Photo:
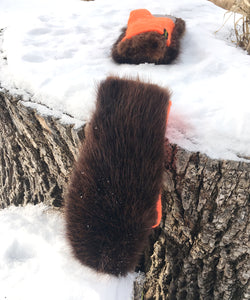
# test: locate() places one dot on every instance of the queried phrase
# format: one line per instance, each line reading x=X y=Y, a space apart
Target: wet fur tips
x=148 y=47
x=111 y=201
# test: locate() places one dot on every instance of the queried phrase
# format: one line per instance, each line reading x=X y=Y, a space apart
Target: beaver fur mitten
x=113 y=194
x=149 y=39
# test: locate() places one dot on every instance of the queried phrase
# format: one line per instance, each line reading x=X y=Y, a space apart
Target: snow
x=36 y=262
x=58 y=51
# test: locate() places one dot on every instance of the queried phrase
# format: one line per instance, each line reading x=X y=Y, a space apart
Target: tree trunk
x=37 y=153
x=201 y=249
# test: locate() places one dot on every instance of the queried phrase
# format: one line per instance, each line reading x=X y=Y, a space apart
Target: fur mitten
x=148 y=38
x=112 y=199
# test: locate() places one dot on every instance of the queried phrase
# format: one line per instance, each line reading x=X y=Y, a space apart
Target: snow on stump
x=201 y=249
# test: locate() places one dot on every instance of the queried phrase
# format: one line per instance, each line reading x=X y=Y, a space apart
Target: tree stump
x=37 y=153
x=201 y=249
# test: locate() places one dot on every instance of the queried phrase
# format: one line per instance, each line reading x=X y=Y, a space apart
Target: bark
x=238 y=6
x=37 y=153
x=201 y=249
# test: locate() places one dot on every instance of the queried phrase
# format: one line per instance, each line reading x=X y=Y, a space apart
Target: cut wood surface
x=201 y=249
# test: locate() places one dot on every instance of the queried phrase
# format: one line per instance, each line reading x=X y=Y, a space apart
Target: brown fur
x=148 y=47
x=111 y=200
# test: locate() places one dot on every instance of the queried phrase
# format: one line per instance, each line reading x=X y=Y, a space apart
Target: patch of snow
x=36 y=262
x=46 y=111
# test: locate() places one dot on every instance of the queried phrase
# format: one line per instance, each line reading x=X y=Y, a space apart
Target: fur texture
x=111 y=200
x=148 y=47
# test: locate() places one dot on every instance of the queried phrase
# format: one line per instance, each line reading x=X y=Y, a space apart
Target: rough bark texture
x=36 y=154
x=201 y=250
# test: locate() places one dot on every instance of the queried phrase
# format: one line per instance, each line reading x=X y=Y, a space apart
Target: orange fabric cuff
x=169 y=107
x=141 y=20
x=159 y=212
x=159 y=204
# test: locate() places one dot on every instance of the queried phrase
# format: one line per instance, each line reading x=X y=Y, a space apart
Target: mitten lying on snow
x=148 y=38
x=113 y=200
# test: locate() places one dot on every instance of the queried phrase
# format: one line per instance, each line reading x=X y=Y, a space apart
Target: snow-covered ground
x=58 y=51
x=36 y=262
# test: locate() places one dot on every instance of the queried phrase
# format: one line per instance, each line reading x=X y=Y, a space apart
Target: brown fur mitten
x=115 y=184
x=160 y=45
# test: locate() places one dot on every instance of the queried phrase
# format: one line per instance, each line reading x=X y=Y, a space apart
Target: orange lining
x=141 y=20
x=159 y=204
x=169 y=107
x=159 y=212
